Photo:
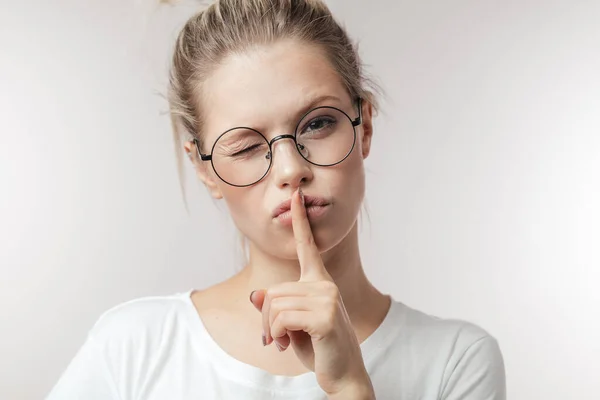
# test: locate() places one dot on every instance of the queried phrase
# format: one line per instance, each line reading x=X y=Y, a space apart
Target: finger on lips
x=285 y=307
x=311 y=264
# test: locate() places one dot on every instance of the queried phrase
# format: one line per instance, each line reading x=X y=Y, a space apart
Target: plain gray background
x=483 y=184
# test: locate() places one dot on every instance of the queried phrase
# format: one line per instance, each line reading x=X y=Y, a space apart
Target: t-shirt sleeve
x=86 y=377
x=479 y=373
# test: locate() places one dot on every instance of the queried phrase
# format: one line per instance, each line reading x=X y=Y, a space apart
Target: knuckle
x=277 y=318
x=275 y=301
x=268 y=295
x=330 y=289
x=279 y=324
x=330 y=304
x=276 y=305
x=271 y=294
x=283 y=317
x=275 y=330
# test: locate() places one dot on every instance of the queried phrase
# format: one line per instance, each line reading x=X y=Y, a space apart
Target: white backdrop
x=483 y=183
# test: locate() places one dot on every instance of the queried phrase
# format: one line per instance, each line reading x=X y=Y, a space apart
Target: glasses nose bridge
x=281 y=137
x=291 y=168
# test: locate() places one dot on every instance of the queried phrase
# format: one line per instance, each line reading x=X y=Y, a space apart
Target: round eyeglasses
x=324 y=136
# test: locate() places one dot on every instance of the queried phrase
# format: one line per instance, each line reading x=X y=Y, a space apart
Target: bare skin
x=226 y=311
x=267 y=89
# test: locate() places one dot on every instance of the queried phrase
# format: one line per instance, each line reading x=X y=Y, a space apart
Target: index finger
x=311 y=264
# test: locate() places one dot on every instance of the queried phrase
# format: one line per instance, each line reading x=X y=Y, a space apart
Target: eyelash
x=326 y=119
x=246 y=150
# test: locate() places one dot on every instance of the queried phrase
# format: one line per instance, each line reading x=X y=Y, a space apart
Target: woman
x=272 y=99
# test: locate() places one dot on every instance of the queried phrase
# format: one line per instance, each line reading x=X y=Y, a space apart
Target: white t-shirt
x=157 y=348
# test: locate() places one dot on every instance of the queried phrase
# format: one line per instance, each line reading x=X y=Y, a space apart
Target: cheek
x=354 y=182
x=346 y=184
x=350 y=176
x=242 y=204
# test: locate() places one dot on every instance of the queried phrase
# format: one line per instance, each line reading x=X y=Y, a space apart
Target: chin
x=327 y=237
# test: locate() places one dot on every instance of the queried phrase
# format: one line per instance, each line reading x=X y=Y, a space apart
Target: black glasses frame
x=355 y=122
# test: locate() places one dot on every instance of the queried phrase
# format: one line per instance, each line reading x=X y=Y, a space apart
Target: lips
x=309 y=201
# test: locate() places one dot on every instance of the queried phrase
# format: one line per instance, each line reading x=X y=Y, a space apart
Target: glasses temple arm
x=358 y=119
x=203 y=157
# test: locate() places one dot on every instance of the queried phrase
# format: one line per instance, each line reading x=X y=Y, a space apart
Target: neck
x=365 y=305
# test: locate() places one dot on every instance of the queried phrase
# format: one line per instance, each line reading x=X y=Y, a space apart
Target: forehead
x=267 y=87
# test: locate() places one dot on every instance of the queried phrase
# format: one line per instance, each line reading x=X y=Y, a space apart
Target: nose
x=289 y=169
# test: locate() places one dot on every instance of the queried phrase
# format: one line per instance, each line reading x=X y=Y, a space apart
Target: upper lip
x=308 y=201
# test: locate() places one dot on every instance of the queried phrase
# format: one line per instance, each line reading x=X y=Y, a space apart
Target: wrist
x=362 y=390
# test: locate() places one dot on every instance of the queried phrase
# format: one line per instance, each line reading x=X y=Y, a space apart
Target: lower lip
x=313 y=212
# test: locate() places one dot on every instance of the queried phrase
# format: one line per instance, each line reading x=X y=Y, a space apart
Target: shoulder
x=445 y=341
x=468 y=356
x=138 y=319
x=433 y=329
x=126 y=346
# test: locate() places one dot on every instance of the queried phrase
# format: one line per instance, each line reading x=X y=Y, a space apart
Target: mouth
x=315 y=208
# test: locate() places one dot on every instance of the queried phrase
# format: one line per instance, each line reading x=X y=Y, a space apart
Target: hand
x=311 y=315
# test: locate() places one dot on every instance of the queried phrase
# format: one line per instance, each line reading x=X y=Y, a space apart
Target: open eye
x=318 y=125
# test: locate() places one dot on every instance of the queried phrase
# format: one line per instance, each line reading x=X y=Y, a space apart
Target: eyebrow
x=294 y=116
x=314 y=101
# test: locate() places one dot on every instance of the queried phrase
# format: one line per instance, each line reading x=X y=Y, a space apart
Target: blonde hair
x=235 y=26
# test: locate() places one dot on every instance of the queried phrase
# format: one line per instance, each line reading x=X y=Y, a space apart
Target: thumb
x=257 y=298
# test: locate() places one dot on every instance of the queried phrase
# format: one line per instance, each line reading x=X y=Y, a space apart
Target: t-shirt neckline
x=250 y=375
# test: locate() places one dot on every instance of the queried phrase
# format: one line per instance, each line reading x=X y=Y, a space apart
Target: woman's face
x=269 y=89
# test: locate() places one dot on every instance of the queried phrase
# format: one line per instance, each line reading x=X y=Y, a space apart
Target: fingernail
x=264 y=339
x=301 y=195
x=251 y=293
x=279 y=347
